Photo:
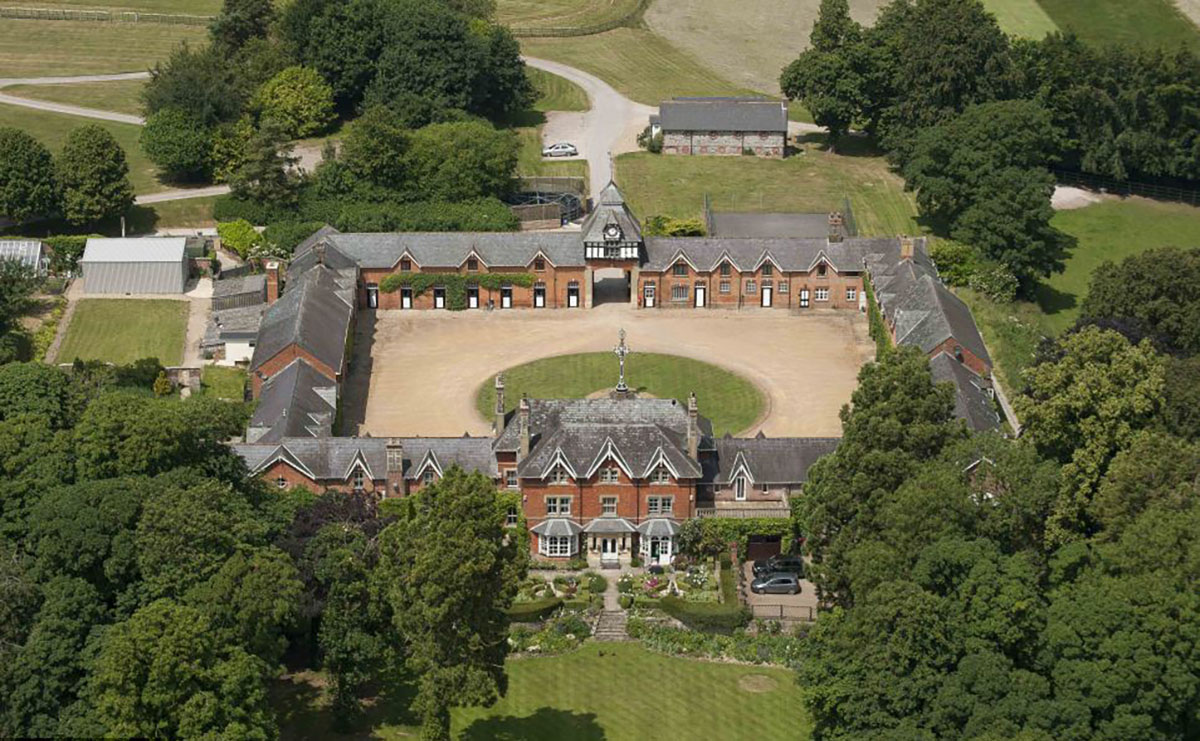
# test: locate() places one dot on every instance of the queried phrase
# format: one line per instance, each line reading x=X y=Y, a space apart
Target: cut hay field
x=561 y=13
x=813 y=181
x=122 y=96
x=1146 y=22
x=57 y=48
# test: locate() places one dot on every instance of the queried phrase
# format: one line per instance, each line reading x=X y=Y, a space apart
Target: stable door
x=701 y=296
x=573 y=296
x=804 y=299
x=372 y=296
x=766 y=296
x=439 y=298
x=539 y=297
x=648 y=295
x=472 y=297
x=506 y=297
x=405 y=298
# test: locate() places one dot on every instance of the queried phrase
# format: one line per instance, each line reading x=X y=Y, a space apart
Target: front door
x=506 y=297
x=766 y=296
x=655 y=550
x=405 y=298
x=572 y=295
x=608 y=549
x=804 y=299
x=472 y=297
x=648 y=295
x=372 y=296
x=700 y=297
x=539 y=297
x=439 y=298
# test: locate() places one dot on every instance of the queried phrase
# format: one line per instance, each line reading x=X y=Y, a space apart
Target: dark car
x=791 y=564
x=777 y=583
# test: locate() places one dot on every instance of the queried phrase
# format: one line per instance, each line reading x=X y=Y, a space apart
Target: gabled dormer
x=611 y=232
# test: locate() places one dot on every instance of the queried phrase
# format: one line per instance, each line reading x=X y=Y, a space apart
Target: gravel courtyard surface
x=416 y=372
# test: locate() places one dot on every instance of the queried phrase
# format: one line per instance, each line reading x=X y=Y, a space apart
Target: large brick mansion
x=609 y=477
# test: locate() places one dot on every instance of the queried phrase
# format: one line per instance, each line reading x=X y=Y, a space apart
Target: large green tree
x=94 y=176
x=462 y=161
x=451 y=571
x=202 y=83
x=1158 y=289
x=27 y=185
x=267 y=173
x=298 y=99
x=179 y=144
x=239 y=21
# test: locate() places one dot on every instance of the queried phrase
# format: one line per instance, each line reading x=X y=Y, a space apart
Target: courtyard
x=418 y=372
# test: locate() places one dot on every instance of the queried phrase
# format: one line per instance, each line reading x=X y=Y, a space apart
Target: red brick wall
x=296 y=478
x=738 y=295
x=556 y=281
x=970 y=359
x=281 y=360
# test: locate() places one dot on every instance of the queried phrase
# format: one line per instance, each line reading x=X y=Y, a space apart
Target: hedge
x=878 y=329
x=455 y=285
x=285 y=235
x=711 y=536
x=480 y=215
x=535 y=611
x=715 y=617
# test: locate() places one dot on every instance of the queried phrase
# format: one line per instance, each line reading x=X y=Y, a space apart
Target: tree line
x=1041 y=588
x=150 y=587
x=972 y=118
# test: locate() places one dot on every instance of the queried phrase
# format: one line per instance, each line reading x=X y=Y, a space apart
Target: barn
x=149 y=265
x=722 y=126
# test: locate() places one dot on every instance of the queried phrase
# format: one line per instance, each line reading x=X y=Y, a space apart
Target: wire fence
x=107 y=16
x=1126 y=187
x=805 y=613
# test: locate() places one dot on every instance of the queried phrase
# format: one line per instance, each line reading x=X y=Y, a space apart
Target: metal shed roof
x=143 y=249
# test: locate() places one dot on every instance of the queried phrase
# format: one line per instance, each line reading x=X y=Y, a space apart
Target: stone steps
x=611 y=626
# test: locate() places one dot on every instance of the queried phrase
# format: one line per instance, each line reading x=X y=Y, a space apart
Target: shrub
x=956 y=262
x=298 y=99
x=712 y=535
x=239 y=236
x=285 y=235
x=578 y=563
x=996 y=282
x=535 y=611
x=782 y=650
x=625 y=601
x=650 y=143
x=597 y=583
x=229 y=142
x=179 y=145
x=665 y=226
x=706 y=616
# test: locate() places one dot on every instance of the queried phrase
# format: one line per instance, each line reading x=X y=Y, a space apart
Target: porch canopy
x=609 y=526
x=659 y=528
x=556 y=527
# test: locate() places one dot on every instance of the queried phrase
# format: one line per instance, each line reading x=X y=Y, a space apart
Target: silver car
x=777 y=583
x=561 y=149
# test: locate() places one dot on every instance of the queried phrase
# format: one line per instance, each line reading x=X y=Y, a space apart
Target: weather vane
x=622 y=350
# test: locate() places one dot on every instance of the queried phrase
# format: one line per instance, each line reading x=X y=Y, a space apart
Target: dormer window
x=660 y=475
x=821 y=270
x=739 y=489
x=768 y=270
x=610 y=475
x=427 y=478
x=359 y=480
x=472 y=264
x=725 y=269
x=539 y=264
x=558 y=475
x=405 y=265
x=281 y=483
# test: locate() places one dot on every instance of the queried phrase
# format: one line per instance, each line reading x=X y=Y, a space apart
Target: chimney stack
x=906 y=247
x=272 y=282
x=319 y=248
x=693 y=428
x=395 y=465
x=523 y=426
x=836 y=224
x=498 y=425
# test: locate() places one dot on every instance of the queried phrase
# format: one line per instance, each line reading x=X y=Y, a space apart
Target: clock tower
x=612 y=236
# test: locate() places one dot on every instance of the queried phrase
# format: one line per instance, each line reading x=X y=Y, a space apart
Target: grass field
x=603 y=691
x=122 y=96
x=56 y=48
x=1146 y=22
x=52 y=130
x=638 y=63
x=223 y=382
x=730 y=401
x=1111 y=230
x=123 y=330
x=814 y=181
x=1024 y=18
x=561 y=13
x=175 y=7
x=556 y=93
x=187 y=213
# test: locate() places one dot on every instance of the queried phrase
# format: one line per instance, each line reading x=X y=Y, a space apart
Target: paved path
x=71 y=110
x=180 y=194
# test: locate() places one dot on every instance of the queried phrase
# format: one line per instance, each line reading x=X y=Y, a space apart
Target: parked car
x=777 y=583
x=561 y=149
x=791 y=564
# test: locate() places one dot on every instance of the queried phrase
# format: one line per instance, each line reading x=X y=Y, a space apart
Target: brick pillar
x=272 y=282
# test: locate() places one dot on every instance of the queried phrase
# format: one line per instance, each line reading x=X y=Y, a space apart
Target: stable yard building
x=148 y=265
x=722 y=126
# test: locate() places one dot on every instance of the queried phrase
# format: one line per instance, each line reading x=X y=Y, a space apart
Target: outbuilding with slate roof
x=723 y=126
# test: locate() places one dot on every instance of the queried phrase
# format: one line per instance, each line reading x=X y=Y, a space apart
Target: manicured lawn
x=556 y=93
x=186 y=213
x=561 y=13
x=603 y=691
x=31 y=48
x=638 y=63
x=1156 y=23
x=814 y=181
x=176 y=7
x=223 y=382
x=121 y=96
x=1023 y=18
x=1111 y=230
x=124 y=330
x=531 y=162
x=730 y=401
x=52 y=129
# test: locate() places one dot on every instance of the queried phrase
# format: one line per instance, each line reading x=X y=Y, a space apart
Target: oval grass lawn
x=729 y=400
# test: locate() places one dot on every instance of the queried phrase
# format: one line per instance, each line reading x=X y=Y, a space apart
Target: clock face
x=612 y=231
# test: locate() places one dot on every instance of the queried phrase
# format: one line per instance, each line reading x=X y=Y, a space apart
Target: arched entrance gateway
x=613 y=249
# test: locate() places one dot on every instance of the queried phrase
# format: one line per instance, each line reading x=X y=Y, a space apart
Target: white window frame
x=510 y=479
x=783 y=287
x=557 y=546
x=660 y=505
x=358 y=479
x=679 y=292
x=512 y=517
x=660 y=476
x=610 y=475
x=751 y=288
x=739 y=489
x=281 y=482
x=558 y=506
x=820 y=294
x=679 y=270
x=725 y=287
x=427 y=477
x=608 y=505
x=851 y=293
x=559 y=476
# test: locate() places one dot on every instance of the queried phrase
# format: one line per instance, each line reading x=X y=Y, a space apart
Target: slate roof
x=707 y=253
x=772 y=225
x=134 y=249
x=314 y=313
x=322 y=459
x=724 y=114
x=255 y=283
x=610 y=208
x=556 y=527
x=609 y=526
x=241 y=323
x=767 y=460
x=307 y=256
x=928 y=314
x=582 y=433
x=973 y=401
x=30 y=252
x=451 y=249
x=658 y=528
x=469 y=453
x=295 y=402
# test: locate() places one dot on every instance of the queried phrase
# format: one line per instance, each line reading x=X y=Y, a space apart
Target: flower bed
x=779 y=649
x=563 y=632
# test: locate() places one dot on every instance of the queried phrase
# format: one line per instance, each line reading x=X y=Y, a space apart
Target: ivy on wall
x=878 y=329
x=455 y=285
x=711 y=536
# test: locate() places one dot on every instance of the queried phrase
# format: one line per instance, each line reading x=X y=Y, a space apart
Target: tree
x=453 y=621
x=93 y=175
x=1155 y=469
x=178 y=144
x=239 y=236
x=1181 y=411
x=267 y=173
x=1156 y=289
x=464 y=160
x=502 y=88
x=829 y=87
x=17 y=283
x=202 y=83
x=27 y=185
x=1082 y=406
x=834 y=28
x=298 y=100
x=342 y=41
x=240 y=21
x=162 y=673
x=374 y=157
x=229 y=144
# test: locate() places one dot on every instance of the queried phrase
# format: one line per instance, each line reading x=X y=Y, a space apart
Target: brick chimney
x=693 y=428
x=523 y=426
x=272 y=282
x=836 y=223
x=498 y=425
x=319 y=248
x=395 y=467
x=906 y=247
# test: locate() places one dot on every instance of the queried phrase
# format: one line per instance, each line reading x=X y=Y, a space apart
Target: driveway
x=417 y=372
x=801 y=606
x=71 y=110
